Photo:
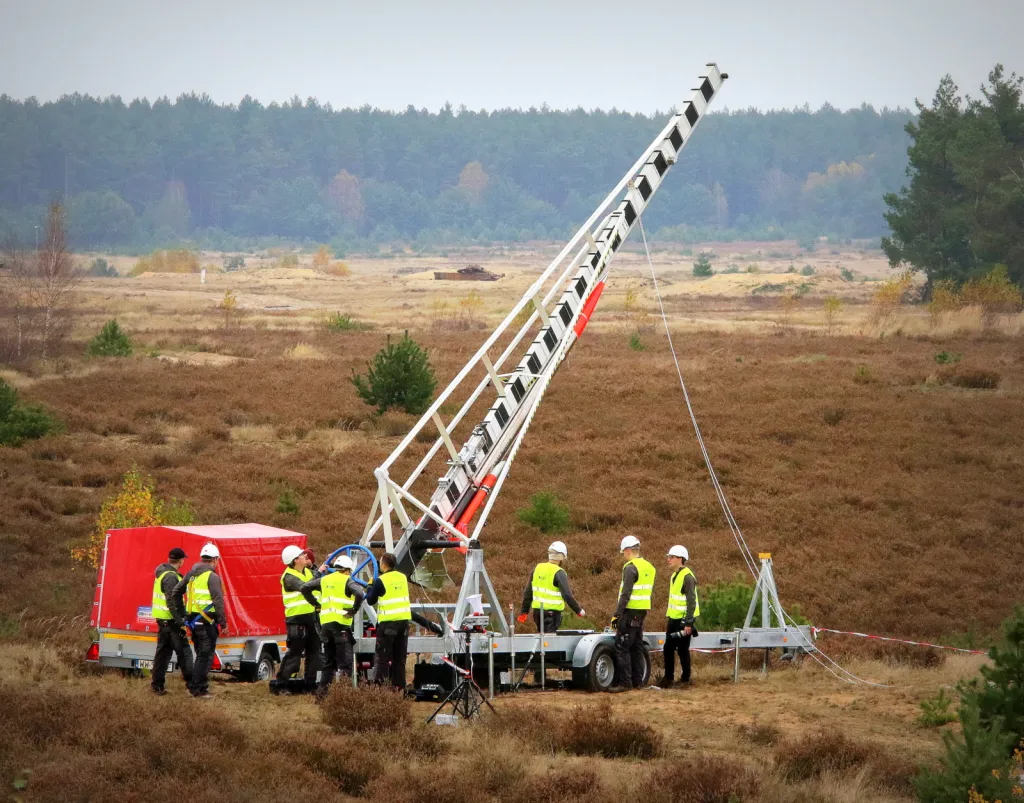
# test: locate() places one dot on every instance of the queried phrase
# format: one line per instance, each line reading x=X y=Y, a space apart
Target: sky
x=631 y=55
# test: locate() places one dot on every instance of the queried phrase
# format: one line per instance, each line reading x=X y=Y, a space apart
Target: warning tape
x=816 y=630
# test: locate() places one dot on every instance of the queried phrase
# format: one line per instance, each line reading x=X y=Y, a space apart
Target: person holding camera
x=683 y=606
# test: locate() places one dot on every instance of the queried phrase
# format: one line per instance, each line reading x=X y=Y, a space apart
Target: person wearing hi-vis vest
x=548 y=590
x=171 y=638
x=300 y=619
x=204 y=613
x=390 y=593
x=683 y=606
x=630 y=612
x=340 y=598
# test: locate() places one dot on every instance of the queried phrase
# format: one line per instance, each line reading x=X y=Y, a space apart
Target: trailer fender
x=585 y=648
x=254 y=648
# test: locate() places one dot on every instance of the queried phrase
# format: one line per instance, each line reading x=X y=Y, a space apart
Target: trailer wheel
x=601 y=669
x=259 y=671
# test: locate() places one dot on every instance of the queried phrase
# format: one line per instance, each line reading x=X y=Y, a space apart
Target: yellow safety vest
x=676 y=597
x=640 y=597
x=394 y=606
x=294 y=603
x=160 y=609
x=199 y=598
x=544 y=589
x=334 y=601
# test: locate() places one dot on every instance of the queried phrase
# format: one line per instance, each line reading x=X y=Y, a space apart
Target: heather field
x=886 y=488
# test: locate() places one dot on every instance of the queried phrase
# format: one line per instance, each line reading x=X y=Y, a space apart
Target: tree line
x=144 y=174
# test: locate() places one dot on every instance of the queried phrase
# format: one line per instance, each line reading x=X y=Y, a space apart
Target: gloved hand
x=436 y=629
x=182 y=629
x=615 y=621
x=316 y=610
x=521 y=618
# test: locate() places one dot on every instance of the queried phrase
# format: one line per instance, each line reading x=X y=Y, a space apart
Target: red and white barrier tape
x=816 y=630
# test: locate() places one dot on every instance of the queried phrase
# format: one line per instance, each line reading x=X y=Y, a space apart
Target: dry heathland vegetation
x=884 y=475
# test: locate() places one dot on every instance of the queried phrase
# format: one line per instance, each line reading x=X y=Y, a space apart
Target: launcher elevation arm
x=561 y=301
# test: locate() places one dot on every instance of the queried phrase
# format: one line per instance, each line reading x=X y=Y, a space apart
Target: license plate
x=138 y=663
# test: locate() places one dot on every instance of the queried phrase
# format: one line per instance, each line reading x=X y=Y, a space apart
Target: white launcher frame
x=563 y=297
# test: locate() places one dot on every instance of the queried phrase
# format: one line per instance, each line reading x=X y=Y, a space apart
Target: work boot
x=617 y=689
x=159 y=690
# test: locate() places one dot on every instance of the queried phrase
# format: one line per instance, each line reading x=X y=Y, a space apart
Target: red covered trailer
x=250 y=569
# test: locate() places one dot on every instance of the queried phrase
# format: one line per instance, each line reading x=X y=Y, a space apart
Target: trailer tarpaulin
x=250 y=569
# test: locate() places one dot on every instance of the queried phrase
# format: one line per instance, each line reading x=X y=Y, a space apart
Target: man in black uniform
x=340 y=598
x=205 y=611
x=171 y=638
x=634 y=602
x=302 y=625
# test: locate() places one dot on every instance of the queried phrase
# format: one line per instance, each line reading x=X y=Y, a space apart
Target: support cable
x=828 y=663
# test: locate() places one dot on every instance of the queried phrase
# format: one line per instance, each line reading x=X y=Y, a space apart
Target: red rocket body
x=482 y=492
x=588 y=309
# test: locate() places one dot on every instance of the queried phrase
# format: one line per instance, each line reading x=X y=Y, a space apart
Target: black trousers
x=302 y=640
x=629 y=652
x=680 y=645
x=170 y=641
x=204 y=636
x=338 y=641
x=391 y=653
x=552 y=620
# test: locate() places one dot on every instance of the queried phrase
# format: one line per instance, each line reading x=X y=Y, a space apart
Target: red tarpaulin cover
x=250 y=568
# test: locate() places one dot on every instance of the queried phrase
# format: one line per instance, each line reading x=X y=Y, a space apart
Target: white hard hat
x=290 y=553
x=629 y=542
x=559 y=547
x=679 y=551
x=209 y=551
x=343 y=562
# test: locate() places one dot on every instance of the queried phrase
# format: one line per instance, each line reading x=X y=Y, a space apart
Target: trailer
x=500 y=388
x=250 y=568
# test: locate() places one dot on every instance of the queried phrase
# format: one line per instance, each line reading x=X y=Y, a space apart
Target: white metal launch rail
x=517 y=362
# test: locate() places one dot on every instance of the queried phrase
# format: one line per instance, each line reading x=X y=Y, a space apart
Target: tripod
x=467 y=698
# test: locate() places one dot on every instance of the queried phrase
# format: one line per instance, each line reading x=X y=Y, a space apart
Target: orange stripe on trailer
x=588 y=309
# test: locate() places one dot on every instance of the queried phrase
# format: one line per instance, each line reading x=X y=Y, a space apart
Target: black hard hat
x=176 y=554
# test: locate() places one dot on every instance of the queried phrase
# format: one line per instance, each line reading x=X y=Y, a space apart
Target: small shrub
x=833 y=416
x=947 y=358
x=936 y=711
x=545 y=513
x=134 y=505
x=101 y=269
x=807 y=270
x=21 y=422
x=702 y=267
x=368 y=708
x=636 y=343
x=847 y=274
x=287 y=503
x=398 y=376
x=701 y=778
x=179 y=260
x=818 y=753
x=862 y=375
x=764 y=735
x=888 y=299
x=322 y=258
x=235 y=262
x=832 y=306
x=110 y=342
x=594 y=731
x=338 y=268
x=228 y=307
x=754 y=268
x=973 y=379
x=339 y=322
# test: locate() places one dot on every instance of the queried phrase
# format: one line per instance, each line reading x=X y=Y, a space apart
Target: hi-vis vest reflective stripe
x=544 y=589
x=294 y=603
x=676 y=597
x=394 y=606
x=334 y=601
x=160 y=609
x=640 y=597
x=199 y=598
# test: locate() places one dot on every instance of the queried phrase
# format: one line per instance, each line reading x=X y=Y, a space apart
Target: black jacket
x=629 y=577
x=176 y=600
x=561 y=582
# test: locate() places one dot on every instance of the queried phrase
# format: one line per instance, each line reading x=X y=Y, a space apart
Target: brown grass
x=819 y=753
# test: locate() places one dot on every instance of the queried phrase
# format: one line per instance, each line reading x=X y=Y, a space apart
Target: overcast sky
x=633 y=54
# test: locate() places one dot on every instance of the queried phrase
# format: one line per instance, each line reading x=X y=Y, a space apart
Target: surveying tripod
x=467 y=698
